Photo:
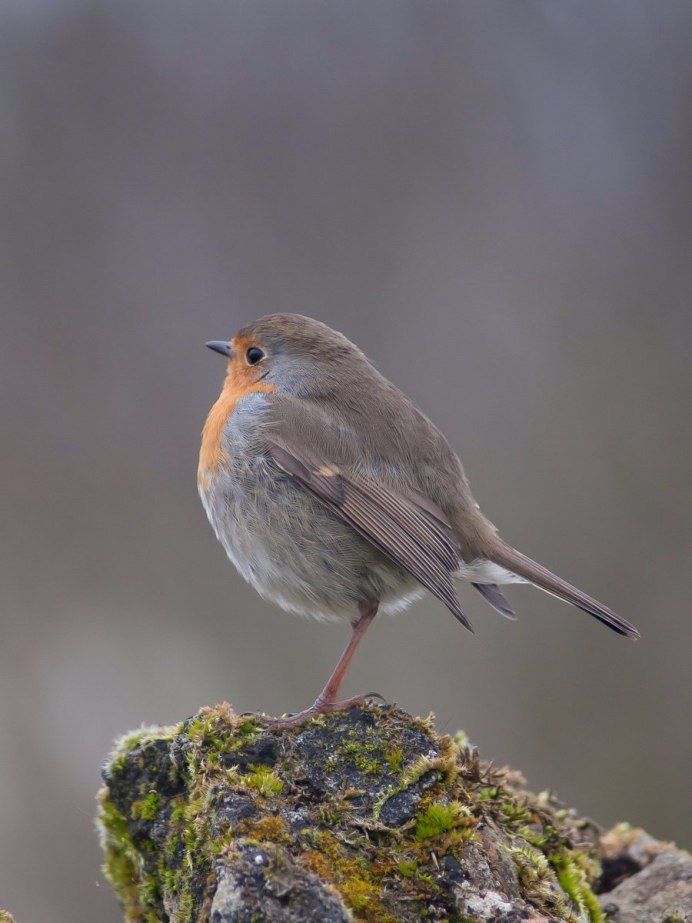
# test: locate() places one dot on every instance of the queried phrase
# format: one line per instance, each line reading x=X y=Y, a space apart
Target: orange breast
x=211 y=456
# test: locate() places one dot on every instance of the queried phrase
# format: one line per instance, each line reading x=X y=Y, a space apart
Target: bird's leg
x=326 y=700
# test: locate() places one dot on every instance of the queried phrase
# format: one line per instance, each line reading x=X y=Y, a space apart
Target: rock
x=264 y=883
x=363 y=815
x=643 y=879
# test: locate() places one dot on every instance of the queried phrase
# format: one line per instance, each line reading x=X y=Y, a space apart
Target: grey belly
x=297 y=553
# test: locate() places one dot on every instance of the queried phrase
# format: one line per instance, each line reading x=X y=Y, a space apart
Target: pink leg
x=326 y=700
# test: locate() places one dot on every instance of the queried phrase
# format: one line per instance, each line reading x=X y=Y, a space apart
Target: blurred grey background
x=494 y=201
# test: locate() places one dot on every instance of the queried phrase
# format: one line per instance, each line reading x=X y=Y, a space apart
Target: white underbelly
x=307 y=577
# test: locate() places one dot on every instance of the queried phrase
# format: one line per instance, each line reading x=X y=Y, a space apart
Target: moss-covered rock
x=364 y=815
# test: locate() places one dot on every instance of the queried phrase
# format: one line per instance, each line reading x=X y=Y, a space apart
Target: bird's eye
x=253 y=355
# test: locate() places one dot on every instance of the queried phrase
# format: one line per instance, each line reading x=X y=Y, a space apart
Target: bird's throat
x=211 y=455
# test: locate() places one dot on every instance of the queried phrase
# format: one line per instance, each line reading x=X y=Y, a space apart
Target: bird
x=335 y=497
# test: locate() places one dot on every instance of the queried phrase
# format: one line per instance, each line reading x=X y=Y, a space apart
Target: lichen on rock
x=362 y=815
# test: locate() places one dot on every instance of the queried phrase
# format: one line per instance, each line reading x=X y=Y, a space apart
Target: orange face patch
x=241 y=379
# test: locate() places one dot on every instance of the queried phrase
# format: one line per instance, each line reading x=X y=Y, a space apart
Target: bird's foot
x=319 y=707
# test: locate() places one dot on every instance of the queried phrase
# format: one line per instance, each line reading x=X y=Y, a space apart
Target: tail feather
x=492 y=594
x=541 y=577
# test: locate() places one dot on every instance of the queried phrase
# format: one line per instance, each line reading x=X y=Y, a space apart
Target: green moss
x=440 y=818
x=330 y=814
x=537 y=879
x=143 y=871
x=177 y=814
x=363 y=896
x=248 y=726
x=271 y=828
x=573 y=881
x=122 y=863
x=515 y=814
x=407 y=868
x=532 y=864
x=146 y=808
x=264 y=780
x=360 y=883
x=365 y=755
x=395 y=759
x=124 y=745
x=437 y=819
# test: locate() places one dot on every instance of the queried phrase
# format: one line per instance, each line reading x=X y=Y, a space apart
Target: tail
x=491 y=593
x=516 y=562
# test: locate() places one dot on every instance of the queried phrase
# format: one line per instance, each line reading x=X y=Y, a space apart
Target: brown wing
x=414 y=534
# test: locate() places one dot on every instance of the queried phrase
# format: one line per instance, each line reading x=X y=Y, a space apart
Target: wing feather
x=410 y=530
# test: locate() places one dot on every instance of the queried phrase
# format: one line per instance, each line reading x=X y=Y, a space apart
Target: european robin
x=335 y=497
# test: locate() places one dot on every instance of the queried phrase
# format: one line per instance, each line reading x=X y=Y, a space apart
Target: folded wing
x=410 y=530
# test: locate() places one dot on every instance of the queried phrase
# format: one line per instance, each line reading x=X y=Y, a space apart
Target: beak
x=220 y=346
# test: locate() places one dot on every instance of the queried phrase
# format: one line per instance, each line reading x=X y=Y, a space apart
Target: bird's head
x=292 y=354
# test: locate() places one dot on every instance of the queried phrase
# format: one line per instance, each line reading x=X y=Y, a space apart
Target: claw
x=318 y=708
x=376 y=695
